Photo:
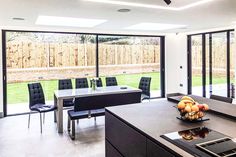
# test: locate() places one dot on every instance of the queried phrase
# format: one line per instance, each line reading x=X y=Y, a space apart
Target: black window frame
x=189 y=60
x=4 y=62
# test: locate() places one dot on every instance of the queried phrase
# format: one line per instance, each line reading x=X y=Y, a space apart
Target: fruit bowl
x=191 y=110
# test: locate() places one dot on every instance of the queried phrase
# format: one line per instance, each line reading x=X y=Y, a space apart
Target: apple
x=200 y=106
x=206 y=107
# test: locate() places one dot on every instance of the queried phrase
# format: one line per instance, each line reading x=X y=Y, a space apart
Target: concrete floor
x=16 y=140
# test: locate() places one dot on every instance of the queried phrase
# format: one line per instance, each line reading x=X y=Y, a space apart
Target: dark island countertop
x=216 y=106
x=159 y=117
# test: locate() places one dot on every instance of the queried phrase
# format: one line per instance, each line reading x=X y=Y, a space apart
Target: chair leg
x=43 y=118
x=41 y=123
x=29 y=121
x=68 y=124
x=73 y=130
x=77 y=121
x=95 y=119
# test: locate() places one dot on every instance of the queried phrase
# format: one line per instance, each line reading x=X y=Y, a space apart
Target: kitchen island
x=135 y=130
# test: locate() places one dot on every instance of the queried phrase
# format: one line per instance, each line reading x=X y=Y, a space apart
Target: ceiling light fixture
x=154 y=26
x=124 y=10
x=68 y=21
x=18 y=18
x=167 y=2
x=143 y=5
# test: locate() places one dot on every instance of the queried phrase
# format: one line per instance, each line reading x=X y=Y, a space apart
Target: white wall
x=176 y=56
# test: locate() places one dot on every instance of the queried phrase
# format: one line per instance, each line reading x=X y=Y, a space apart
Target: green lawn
x=197 y=80
x=18 y=92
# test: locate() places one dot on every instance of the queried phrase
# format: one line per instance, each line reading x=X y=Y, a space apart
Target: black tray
x=193 y=121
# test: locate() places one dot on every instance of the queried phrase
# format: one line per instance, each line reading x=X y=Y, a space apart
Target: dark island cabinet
x=111 y=151
x=129 y=142
x=122 y=140
x=155 y=150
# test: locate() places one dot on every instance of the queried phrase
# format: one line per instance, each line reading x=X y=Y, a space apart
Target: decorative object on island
x=193 y=134
x=94 y=83
x=190 y=110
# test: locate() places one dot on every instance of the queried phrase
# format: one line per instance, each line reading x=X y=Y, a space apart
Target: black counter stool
x=144 y=85
x=63 y=85
x=111 y=81
x=81 y=83
x=37 y=102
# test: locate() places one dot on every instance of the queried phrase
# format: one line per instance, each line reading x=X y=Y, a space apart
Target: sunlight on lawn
x=18 y=92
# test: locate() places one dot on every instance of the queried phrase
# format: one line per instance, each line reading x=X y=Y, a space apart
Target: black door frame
x=189 y=49
x=4 y=63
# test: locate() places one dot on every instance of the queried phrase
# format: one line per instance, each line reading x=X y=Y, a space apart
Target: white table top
x=84 y=92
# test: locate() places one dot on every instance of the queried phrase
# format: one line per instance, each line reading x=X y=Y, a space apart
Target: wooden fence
x=219 y=57
x=21 y=55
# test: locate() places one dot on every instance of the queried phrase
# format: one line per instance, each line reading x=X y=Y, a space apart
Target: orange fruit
x=181 y=105
x=195 y=108
x=187 y=109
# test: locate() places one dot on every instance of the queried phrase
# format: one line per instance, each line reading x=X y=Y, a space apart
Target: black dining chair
x=37 y=102
x=111 y=81
x=144 y=85
x=221 y=98
x=63 y=85
x=81 y=83
x=98 y=82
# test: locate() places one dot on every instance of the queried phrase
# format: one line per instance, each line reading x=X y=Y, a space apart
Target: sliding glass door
x=218 y=84
x=197 y=71
x=46 y=57
x=129 y=58
x=212 y=63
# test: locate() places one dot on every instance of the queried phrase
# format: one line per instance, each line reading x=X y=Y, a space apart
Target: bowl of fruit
x=191 y=110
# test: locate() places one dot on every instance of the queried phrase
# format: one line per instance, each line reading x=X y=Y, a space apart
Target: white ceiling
x=214 y=14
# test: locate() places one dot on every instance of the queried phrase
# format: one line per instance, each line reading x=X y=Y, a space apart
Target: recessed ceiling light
x=18 y=18
x=144 y=5
x=154 y=26
x=68 y=21
x=124 y=10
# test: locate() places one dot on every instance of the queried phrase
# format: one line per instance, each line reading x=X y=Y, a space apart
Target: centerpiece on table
x=190 y=110
x=94 y=83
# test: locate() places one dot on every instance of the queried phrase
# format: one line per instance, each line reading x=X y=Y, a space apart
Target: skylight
x=68 y=21
x=154 y=26
x=144 y=5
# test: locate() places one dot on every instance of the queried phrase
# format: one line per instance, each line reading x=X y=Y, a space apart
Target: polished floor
x=16 y=140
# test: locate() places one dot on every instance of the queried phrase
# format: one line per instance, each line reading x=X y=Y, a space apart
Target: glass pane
x=129 y=58
x=232 y=60
x=219 y=64
x=207 y=66
x=197 y=65
x=45 y=58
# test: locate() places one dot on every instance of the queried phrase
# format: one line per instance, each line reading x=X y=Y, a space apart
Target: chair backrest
x=36 y=95
x=144 y=85
x=81 y=83
x=65 y=84
x=221 y=98
x=111 y=81
x=99 y=82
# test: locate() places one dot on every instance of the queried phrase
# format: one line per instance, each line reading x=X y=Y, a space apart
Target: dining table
x=125 y=93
